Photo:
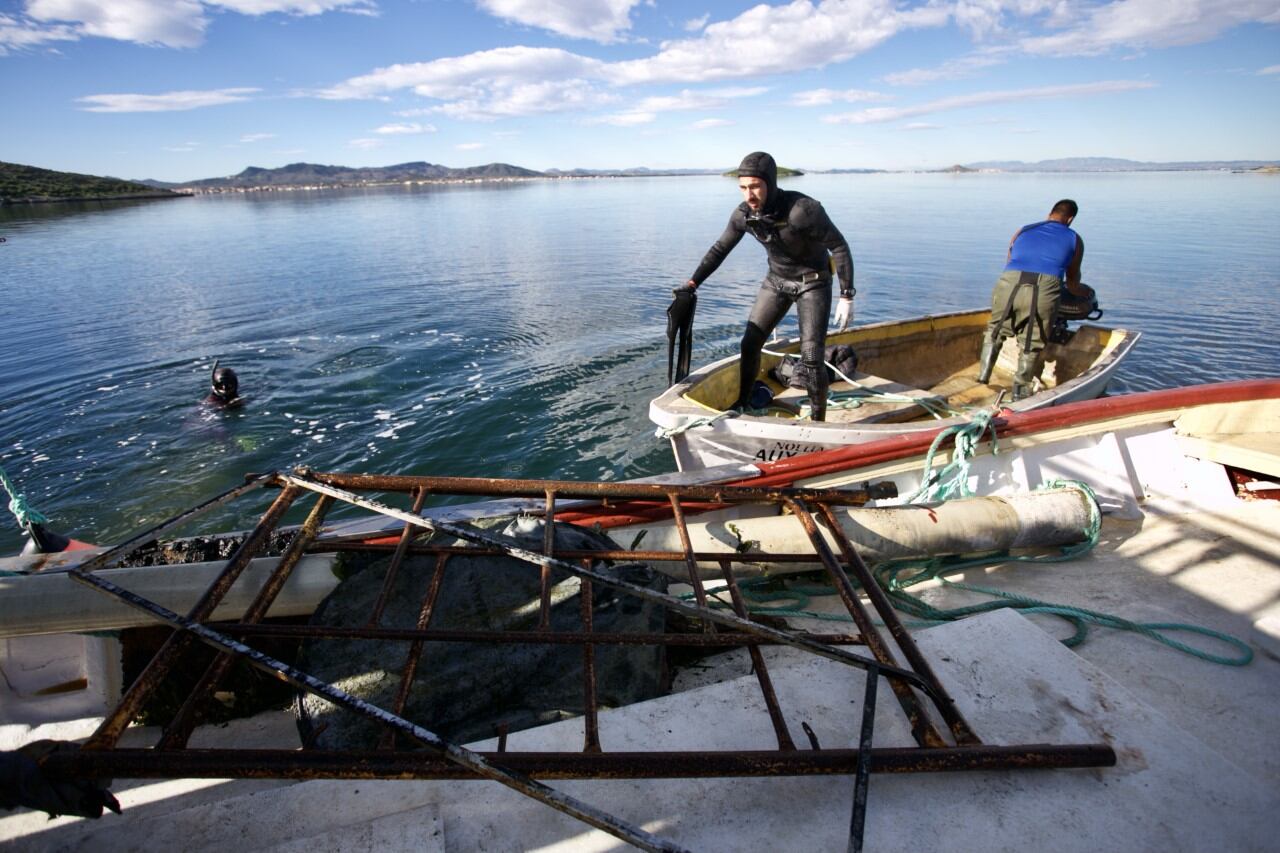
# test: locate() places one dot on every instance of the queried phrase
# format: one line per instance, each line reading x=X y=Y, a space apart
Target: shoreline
x=4 y=202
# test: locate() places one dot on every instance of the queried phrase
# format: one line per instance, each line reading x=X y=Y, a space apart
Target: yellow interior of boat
x=913 y=366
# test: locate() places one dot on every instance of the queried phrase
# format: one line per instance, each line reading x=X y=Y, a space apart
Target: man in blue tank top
x=1042 y=256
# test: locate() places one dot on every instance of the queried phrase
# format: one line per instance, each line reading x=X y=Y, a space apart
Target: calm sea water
x=518 y=330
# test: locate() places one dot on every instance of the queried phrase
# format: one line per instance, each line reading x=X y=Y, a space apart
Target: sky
x=179 y=90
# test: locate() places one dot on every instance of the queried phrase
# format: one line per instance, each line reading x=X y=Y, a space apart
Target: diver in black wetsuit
x=803 y=246
x=225 y=388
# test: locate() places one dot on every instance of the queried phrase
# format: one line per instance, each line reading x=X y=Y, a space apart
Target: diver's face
x=754 y=192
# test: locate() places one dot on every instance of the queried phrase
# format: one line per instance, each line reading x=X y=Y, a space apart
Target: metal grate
x=400 y=753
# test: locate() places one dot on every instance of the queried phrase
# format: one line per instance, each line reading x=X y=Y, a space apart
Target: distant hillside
x=315 y=175
x=1114 y=164
x=783 y=172
x=21 y=184
x=631 y=172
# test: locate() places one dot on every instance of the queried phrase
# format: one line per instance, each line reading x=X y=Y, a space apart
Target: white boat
x=1187 y=484
x=913 y=376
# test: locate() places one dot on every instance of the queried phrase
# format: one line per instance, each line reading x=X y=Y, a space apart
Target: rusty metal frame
x=915 y=685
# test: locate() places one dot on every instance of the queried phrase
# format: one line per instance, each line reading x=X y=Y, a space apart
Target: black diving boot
x=817 y=384
x=1025 y=378
x=987 y=359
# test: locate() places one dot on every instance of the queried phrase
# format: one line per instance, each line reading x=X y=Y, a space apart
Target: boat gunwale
x=674 y=407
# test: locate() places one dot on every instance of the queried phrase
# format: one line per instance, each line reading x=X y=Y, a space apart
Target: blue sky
x=184 y=89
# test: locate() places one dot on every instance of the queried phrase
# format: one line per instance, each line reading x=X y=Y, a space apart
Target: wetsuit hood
x=226 y=385
x=760 y=165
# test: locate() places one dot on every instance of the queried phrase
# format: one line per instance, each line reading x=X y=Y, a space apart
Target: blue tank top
x=1043 y=247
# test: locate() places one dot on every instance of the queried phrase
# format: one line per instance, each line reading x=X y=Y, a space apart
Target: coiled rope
x=897 y=576
x=952 y=480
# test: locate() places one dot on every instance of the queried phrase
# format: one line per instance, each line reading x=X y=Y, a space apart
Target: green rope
x=691 y=423
x=25 y=514
x=952 y=481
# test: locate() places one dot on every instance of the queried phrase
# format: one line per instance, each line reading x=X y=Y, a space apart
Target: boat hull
x=685 y=416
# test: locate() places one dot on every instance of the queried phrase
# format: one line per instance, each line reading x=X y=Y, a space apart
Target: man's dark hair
x=1066 y=207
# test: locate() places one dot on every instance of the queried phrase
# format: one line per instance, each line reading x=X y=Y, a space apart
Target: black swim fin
x=680 y=327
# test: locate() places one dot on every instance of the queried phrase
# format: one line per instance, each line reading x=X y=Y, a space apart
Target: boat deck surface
x=858 y=403
x=1198 y=743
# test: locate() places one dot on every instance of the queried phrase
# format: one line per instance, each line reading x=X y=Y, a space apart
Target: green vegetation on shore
x=29 y=184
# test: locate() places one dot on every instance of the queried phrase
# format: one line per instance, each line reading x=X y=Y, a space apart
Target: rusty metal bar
x=548 y=548
x=326 y=764
x=109 y=731
x=717 y=640
x=402 y=548
x=127 y=547
x=862 y=778
x=185 y=720
x=922 y=728
x=960 y=728
x=699 y=591
x=327 y=546
x=410 y=670
x=573 y=489
x=472 y=761
x=590 y=719
x=670 y=602
x=758 y=665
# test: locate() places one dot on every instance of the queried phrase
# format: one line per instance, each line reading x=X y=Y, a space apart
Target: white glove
x=844 y=312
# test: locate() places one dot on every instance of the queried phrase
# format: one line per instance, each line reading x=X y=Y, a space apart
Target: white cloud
x=165 y=102
x=766 y=40
x=257 y=137
x=709 y=123
x=920 y=125
x=825 y=97
x=19 y=35
x=1151 y=24
x=469 y=146
x=646 y=110
x=470 y=75
x=1270 y=69
x=166 y=23
x=876 y=115
x=507 y=100
x=630 y=118
x=410 y=127
x=183 y=148
x=693 y=25
x=956 y=69
x=778 y=39
x=295 y=7
x=171 y=23
x=365 y=143
x=597 y=20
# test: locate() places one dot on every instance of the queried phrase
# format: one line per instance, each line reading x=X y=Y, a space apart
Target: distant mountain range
x=1114 y=164
x=313 y=174
x=27 y=183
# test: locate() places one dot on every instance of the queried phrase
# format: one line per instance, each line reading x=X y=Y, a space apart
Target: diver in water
x=225 y=391
x=803 y=248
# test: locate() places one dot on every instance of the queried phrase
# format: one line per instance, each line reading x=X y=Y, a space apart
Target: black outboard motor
x=1072 y=308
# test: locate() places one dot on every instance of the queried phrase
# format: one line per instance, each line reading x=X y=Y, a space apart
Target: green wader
x=1022 y=306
